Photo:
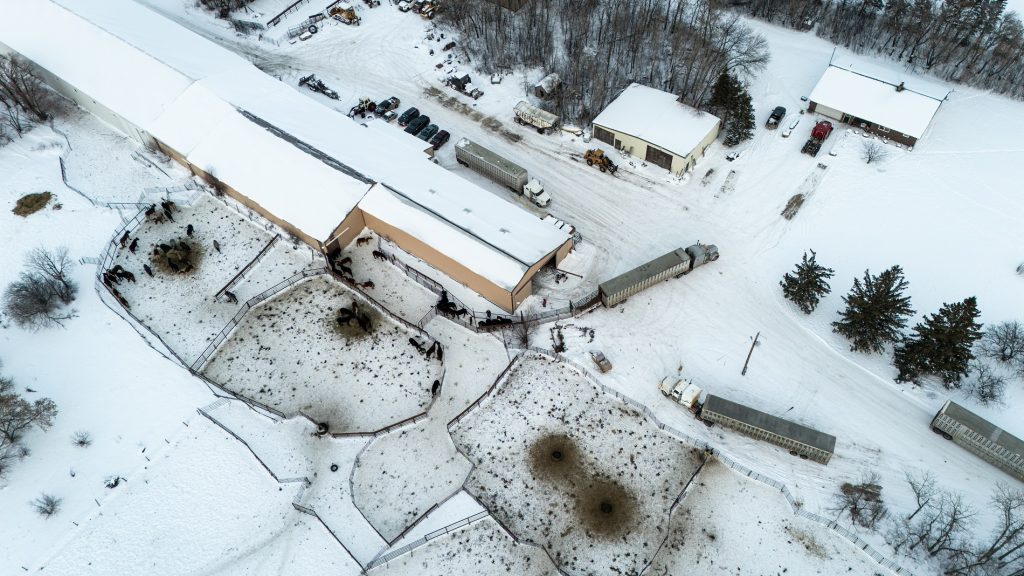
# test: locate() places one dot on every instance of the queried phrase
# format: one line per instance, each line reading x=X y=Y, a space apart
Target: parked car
x=387 y=105
x=419 y=123
x=775 y=118
x=389 y=116
x=439 y=139
x=404 y=6
x=408 y=116
x=428 y=132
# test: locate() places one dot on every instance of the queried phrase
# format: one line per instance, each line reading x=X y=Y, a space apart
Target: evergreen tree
x=721 y=102
x=731 y=102
x=876 y=311
x=741 y=127
x=807 y=284
x=941 y=345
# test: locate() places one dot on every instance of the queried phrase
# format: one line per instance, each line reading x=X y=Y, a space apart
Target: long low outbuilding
x=992 y=443
x=308 y=168
x=801 y=440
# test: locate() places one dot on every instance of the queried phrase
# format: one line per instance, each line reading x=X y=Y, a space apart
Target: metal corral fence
x=795 y=505
x=249 y=304
x=471 y=318
x=304 y=480
x=294 y=7
x=385 y=558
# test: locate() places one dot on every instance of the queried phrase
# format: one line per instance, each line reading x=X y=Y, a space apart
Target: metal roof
x=983 y=427
x=644 y=271
x=758 y=419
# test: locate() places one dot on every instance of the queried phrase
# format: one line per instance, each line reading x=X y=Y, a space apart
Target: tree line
x=598 y=47
x=974 y=42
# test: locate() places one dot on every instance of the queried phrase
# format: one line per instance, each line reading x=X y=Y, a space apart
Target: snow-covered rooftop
x=657 y=117
x=875 y=100
x=304 y=162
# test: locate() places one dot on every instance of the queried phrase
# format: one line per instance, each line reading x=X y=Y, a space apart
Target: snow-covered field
x=289 y=353
x=212 y=509
x=571 y=469
x=949 y=213
x=724 y=513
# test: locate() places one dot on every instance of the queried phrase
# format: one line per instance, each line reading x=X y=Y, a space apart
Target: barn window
x=604 y=135
x=655 y=156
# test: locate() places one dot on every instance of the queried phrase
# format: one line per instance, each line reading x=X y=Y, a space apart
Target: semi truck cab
x=534 y=190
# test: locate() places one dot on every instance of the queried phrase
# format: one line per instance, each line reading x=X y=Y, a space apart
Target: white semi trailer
x=501 y=170
x=528 y=114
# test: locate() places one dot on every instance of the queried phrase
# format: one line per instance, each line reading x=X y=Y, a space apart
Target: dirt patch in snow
x=290 y=354
x=571 y=469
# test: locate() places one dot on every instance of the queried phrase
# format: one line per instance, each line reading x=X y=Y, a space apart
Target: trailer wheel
x=936 y=430
x=803 y=456
x=947 y=436
x=312 y=29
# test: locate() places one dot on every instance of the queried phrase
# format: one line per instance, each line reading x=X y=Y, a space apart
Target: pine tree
x=741 y=127
x=807 y=284
x=941 y=345
x=721 y=102
x=731 y=102
x=876 y=311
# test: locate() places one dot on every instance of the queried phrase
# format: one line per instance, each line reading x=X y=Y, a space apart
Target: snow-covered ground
x=724 y=513
x=949 y=212
x=212 y=509
x=181 y=307
x=401 y=475
x=571 y=469
x=289 y=353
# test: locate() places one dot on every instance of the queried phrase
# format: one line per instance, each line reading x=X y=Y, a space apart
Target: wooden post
x=754 y=343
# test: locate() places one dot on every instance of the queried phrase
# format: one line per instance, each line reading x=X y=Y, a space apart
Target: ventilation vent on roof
x=467 y=210
x=432 y=191
x=504 y=230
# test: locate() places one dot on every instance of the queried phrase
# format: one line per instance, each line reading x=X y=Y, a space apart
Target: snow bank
x=197 y=511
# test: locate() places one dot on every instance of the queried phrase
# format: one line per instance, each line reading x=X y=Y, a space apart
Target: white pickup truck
x=681 y=391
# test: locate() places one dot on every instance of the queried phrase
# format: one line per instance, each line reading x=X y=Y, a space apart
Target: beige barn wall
x=638 y=148
x=347 y=231
x=499 y=296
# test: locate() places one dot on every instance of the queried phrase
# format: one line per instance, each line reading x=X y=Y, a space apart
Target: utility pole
x=754 y=343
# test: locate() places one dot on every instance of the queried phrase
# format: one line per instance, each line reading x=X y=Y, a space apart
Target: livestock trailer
x=799 y=440
x=997 y=446
x=494 y=166
x=674 y=264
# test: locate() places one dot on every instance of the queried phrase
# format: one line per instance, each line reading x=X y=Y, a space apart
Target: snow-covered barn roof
x=304 y=162
x=657 y=117
x=877 y=101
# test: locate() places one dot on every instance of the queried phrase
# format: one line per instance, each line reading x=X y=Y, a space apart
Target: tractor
x=603 y=162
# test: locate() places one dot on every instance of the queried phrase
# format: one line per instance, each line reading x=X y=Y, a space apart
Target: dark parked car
x=439 y=139
x=777 y=115
x=387 y=105
x=428 y=132
x=408 y=116
x=419 y=123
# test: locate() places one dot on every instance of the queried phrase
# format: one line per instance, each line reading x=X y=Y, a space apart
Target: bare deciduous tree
x=19 y=86
x=924 y=491
x=40 y=296
x=985 y=384
x=1003 y=342
x=863 y=501
x=55 y=266
x=14 y=118
x=872 y=151
x=17 y=416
